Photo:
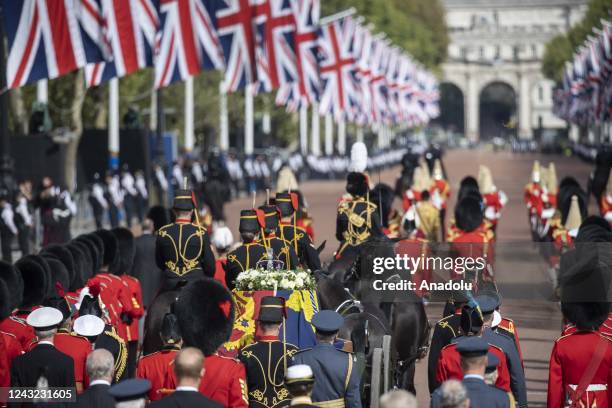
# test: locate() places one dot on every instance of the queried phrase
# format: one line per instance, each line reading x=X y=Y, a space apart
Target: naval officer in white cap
x=44 y=364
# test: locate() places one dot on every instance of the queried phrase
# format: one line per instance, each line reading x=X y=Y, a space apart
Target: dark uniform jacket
x=185 y=399
x=298 y=237
x=282 y=251
x=182 y=251
x=445 y=330
x=356 y=221
x=336 y=376
x=44 y=359
x=265 y=371
x=243 y=258
x=109 y=340
x=96 y=396
x=145 y=268
x=480 y=394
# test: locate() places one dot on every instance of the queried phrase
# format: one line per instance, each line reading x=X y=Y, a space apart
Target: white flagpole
x=113 y=122
x=304 y=129
x=189 y=125
x=223 y=119
x=341 y=137
x=266 y=123
x=359 y=135
x=42 y=91
x=316 y=137
x=329 y=135
x=249 y=120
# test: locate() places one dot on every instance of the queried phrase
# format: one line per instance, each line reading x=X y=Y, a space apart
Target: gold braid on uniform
x=122 y=356
x=356 y=222
x=179 y=252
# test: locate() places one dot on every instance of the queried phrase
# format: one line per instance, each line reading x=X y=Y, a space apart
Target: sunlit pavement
x=523 y=280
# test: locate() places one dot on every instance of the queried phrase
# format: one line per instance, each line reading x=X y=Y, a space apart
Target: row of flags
x=585 y=97
x=276 y=45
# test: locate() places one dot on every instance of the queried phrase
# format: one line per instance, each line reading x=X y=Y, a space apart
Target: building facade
x=503 y=42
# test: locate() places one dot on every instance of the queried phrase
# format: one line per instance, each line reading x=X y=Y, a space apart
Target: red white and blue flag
x=338 y=69
x=187 y=41
x=46 y=39
x=131 y=28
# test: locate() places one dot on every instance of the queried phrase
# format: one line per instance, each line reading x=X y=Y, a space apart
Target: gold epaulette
x=121 y=362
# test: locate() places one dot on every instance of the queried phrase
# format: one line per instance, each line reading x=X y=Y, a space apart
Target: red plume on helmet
x=295 y=200
x=59 y=289
x=94 y=289
x=261 y=217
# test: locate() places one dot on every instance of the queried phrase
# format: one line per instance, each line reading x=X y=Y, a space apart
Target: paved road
x=520 y=271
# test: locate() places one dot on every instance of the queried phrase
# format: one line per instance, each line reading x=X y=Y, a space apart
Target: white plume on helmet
x=222 y=238
x=359 y=157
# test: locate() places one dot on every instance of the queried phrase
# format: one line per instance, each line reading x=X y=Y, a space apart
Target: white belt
x=591 y=387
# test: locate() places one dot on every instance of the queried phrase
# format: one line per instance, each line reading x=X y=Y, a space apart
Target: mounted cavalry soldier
x=356 y=218
x=182 y=249
x=266 y=359
x=288 y=204
x=247 y=255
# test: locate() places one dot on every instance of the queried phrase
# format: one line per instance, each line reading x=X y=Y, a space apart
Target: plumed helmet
x=111 y=248
x=90 y=303
x=359 y=157
x=205 y=312
x=222 y=238
x=127 y=251
x=357 y=184
x=468 y=214
x=36 y=280
x=11 y=277
x=569 y=188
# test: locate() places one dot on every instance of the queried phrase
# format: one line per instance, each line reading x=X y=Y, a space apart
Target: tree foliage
x=562 y=47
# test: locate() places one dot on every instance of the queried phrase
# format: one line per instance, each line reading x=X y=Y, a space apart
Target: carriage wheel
x=375 y=386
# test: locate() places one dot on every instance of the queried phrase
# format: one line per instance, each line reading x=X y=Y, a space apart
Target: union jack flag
x=46 y=39
x=187 y=41
x=340 y=91
x=305 y=90
x=363 y=52
x=131 y=27
x=235 y=25
x=378 y=89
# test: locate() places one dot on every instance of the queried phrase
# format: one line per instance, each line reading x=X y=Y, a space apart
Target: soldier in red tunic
x=440 y=193
x=580 y=373
x=205 y=312
x=494 y=200
x=533 y=198
x=155 y=367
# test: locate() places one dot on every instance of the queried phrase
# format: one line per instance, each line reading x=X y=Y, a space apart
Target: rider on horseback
x=182 y=249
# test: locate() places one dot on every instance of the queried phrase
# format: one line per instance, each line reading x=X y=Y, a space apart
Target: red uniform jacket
x=493 y=201
x=13 y=347
x=508 y=326
x=415 y=248
x=220 y=271
x=475 y=244
x=449 y=366
x=154 y=367
x=306 y=224
x=5 y=365
x=18 y=327
x=73 y=345
x=443 y=189
x=224 y=381
x=533 y=198
x=570 y=357
x=116 y=297
x=410 y=198
x=132 y=285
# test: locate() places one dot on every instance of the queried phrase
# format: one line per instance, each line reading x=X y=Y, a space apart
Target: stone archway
x=498 y=113
x=452 y=115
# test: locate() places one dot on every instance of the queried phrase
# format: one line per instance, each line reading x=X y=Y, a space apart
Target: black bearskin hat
x=36 y=280
x=10 y=275
x=271 y=217
x=594 y=229
x=170 y=330
x=585 y=282
x=111 y=248
x=59 y=274
x=64 y=255
x=82 y=265
x=127 y=251
x=5 y=301
x=357 y=184
x=248 y=222
x=159 y=215
x=205 y=311
x=287 y=203
x=383 y=196
x=92 y=249
x=467 y=186
x=468 y=213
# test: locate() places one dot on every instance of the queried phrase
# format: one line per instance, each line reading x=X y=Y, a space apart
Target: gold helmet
x=425 y=174
x=574 y=218
x=536 y=175
x=438 y=174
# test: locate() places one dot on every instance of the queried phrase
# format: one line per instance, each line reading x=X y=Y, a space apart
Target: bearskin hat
x=10 y=276
x=111 y=248
x=584 y=281
x=205 y=312
x=170 y=330
x=5 y=301
x=383 y=196
x=594 y=229
x=127 y=251
x=36 y=280
x=64 y=255
x=59 y=274
x=82 y=265
x=468 y=214
x=159 y=215
x=467 y=186
x=92 y=249
x=357 y=184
